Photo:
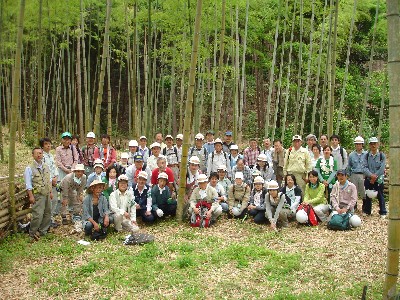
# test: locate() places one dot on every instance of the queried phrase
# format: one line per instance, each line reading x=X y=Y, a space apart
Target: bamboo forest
x=252 y=74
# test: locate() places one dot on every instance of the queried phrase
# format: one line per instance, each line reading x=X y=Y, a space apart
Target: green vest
x=40 y=179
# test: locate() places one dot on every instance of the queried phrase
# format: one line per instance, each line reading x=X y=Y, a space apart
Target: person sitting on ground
x=122 y=165
x=192 y=176
x=199 y=151
x=242 y=168
x=327 y=167
x=238 y=197
x=218 y=158
x=266 y=168
x=133 y=150
x=110 y=180
x=223 y=180
x=123 y=207
x=155 y=154
x=162 y=203
x=315 y=196
x=206 y=193
x=344 y=194
x=275 y=211
x=98 y=173
x=39 y=190
x=142 y=194
x=138 y=166
x=72 y=187
x=221 y=199
x=254 y=174
x=257 y=201
x=316 y=154
x=234 y=155
x=105 y=152
x=251 y=153
x=96 y=213
x=293 y=195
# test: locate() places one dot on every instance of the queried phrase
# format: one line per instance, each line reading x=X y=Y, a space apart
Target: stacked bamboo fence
x=21 y=203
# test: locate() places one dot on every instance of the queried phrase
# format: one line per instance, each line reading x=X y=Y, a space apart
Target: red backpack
x=201 y=219
x=312 y=217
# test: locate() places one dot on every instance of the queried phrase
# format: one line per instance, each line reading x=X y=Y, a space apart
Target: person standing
x=106 y=152
x=218 y=158
x=38 y=186
x=278 y=160
x=355 y=168
x=199 y=151
x=88 y=153
x=209 y=144
x=338 y=152
x=251 y=153
x=66 y=155
x=228 y=142
x=268 y=149
x=374 y=171
x=297 y=162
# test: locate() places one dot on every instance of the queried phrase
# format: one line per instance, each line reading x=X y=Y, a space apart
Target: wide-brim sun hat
x=95 y=183
x=78 y=167
x=202 y=178
x=273 y=185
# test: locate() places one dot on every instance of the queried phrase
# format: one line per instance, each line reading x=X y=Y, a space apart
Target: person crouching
x=162 y=203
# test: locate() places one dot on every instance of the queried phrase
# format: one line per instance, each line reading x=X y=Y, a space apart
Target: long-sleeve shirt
x=66 y=158
x=344 y=196
x=28 y=175
x=220 y=190
x=356 y=162
x=315 y=196
x=123 y=202
x=143 y=197
x=239 y=194
x=297 y=161
x=327 y=169
x=131 y=173
x=278 y=207
x=293 y=197
x=374 y=164
x=217 y=159
x=247 y=178
x=209 y=195
x=144 y=152
x=48 y=159
x=87 y=207
x=342 y=161
x=108 y=155
x=68 y=184
x=250 y=156
x=257 y=198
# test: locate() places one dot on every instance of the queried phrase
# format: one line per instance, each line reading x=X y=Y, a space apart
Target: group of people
x=95 y=187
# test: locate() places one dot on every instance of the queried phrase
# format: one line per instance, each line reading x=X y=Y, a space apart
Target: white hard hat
x=301 y=216
x=273 y=185
x=373 y=140
x=98 y=161
x=91 y=135
x=123 y=177
x=199 y=136
x=236 y=211
x=358 y=140
x=133 y=143
x=262 y=157
x=256 y=172
x=143 y=174
x=355 y=221
x=202 y=178
x=155 y=144
x=179 y=136
x=194 y=160
x=143 y=138
x=259 y=179
x=124 y=155
x=169 y=137
x=371 y=193
x=297 y=137
x=239 y=175
x=162 y=175
x=234 y=147
x=218 y=140
x=221 y=167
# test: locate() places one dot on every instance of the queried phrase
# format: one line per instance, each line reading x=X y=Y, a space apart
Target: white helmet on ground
x=371 y=194
x=355 y=221
x=301 y=216
x=236 y=211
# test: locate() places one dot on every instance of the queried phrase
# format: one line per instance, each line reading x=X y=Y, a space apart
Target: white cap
x=169 y=137
x=217 y=140
x=142 y=137
x=221 y=167
x=234 y=147
x=373 y=140
x=358 y=140
x=123 y=177
x=124 y=155
x=155 y=144
x=202 y=178
x=98 y=161
x=162 y=175
x=296 y=137
x=179 y=136
x=91 y=135
x=79 y=167
x=239 y=175
x=199 y=136
x=133 y=143
x=273 y=185
x=258 y=179
x=262 y=157
x=143 y=174
x=194 y=160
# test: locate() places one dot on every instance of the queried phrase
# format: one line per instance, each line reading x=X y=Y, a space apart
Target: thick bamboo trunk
x=40 y=116
x=393 y=247
x=79 y=86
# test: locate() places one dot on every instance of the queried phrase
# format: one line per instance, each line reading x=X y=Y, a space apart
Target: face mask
x=77 y=180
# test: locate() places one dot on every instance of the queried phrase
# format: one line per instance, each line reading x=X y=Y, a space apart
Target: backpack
x=164 y=151
x=201 y=220
x=340 y=222
x=192 y=150
x=312 y=217
x=212 y=157
x=380 y=156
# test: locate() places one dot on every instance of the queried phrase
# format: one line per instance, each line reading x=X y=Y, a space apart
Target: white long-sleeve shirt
x=123 y=202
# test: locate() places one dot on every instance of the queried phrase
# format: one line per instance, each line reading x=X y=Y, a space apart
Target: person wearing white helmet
x=192 y=176
x=88 y=152
x=178 y=145
x=171 y=154
x=292 y=193
x=218 y=158
x=98 y=173
x=275 y=211
x=344 y=194
x=133 y=150
x=123 y=207
x=123 y=162
x=251 y=153
x=222 y=177
x=207 y=195
x=265 y=167
x=143 y=150
x=142 y=197
x=162 y=203
x=199 y=151
x=238 y=197
x=241 y=167
x=254 y=174
x=155 y=154
x=257 y=201
x=234 y=155
x=221 y=199
x=355 y=167
x=374 y=171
